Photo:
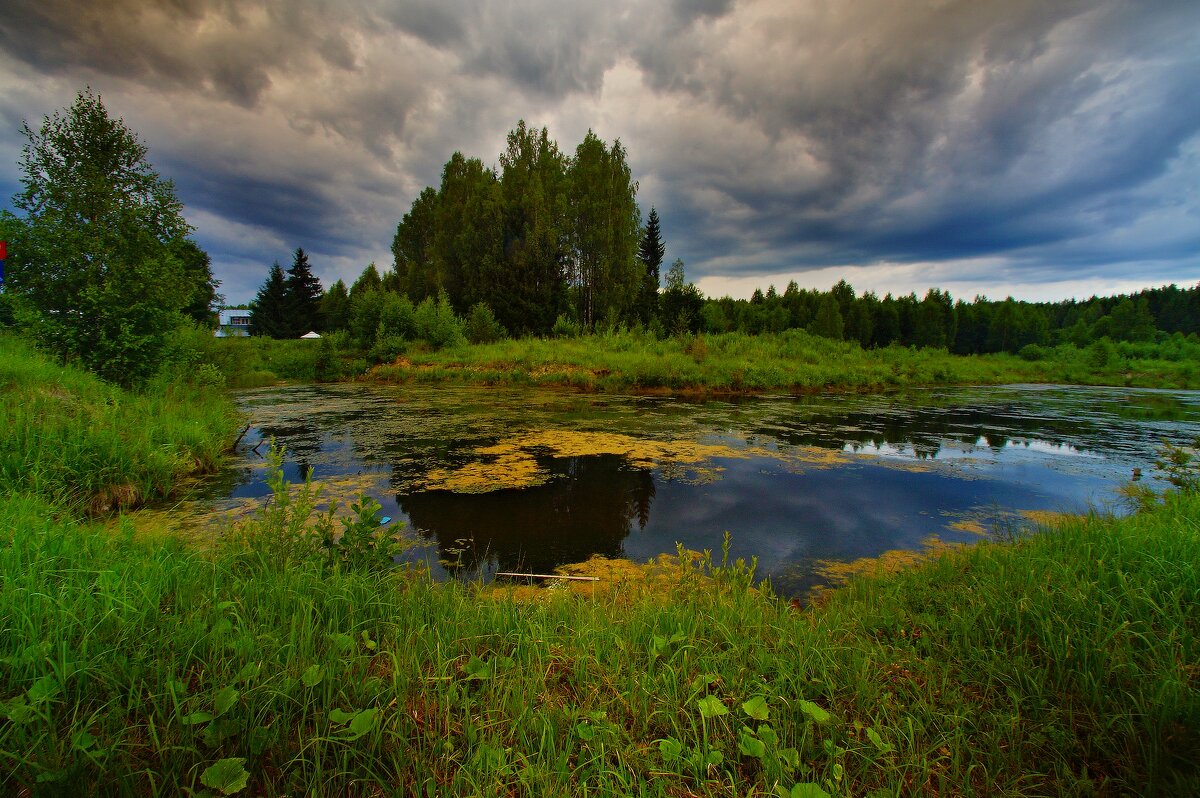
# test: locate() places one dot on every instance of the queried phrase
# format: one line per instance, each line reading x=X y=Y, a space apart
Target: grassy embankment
x=1065 y=664
x=791 y=361
x=83 y=444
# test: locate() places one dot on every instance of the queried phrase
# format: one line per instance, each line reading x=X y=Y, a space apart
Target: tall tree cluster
x=546 y=234
x=101 y=268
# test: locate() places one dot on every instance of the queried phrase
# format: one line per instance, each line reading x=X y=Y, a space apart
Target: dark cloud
x=774 y=136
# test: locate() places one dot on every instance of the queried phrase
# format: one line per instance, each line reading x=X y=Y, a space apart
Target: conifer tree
x=651 y=252
x=531 y=290
x=268 y=311
x=828 y=321
x=335 y=308
x=303 y=297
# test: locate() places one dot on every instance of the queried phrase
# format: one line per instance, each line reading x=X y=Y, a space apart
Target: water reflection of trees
x=302 y=440
x=926 y=430
x=587 y=508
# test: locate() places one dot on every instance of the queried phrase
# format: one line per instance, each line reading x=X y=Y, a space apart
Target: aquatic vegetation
x=838 y=572
x=512 y=463
x=202 y=521
x=1047 y=518
x=618 y=580
x=971 y=525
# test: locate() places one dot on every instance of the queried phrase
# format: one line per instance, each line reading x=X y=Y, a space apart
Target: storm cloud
x=1042 y=149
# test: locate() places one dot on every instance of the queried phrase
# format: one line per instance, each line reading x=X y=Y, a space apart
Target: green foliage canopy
x=97 y=264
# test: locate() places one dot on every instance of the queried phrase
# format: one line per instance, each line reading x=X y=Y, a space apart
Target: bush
x=1032 y=352
x=1101 y=353
x=387 y=347
x=436 y=322
x=481 y=326
x=566 y=327
x=397 y=316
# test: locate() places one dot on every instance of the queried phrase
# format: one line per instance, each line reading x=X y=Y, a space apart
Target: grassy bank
x=274 y=664
x=791 y=361
x=77 y=441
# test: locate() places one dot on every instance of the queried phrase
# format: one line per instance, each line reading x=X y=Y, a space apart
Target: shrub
x=566 y=327
x=397 y=316
x=1100 y=353
x=436 y=322
x=481 y=326
x=1032 y=352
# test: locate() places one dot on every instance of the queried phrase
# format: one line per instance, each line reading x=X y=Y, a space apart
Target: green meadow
x=289 y=658
x=789 y=361
x=634 y=361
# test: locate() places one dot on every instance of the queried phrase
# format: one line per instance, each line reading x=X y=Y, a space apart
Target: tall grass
x=76 y=440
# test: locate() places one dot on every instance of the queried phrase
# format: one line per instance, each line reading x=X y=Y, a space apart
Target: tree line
x=937 y=320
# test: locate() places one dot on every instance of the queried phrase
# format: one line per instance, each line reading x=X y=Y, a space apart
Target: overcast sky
x=1042 y=149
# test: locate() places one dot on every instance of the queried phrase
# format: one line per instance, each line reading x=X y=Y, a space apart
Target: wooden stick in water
x=549 y=576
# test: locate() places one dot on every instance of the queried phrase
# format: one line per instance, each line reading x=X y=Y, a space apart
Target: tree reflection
x=587 y=508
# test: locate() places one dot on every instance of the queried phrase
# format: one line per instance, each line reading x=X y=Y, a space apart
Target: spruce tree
x=531 y=291
x=828 y=322
x=650 y=252
x=303 y=297
x=335 y=308
x=367 y=282
x=268 y=311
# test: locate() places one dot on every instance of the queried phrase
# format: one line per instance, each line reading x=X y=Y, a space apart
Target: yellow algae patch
x=1047 y=517
x=838 y=572
x=193 y=522
x=968 y=525
x=512 y=463
x=639 y=451
x=617 y=579
x=202 y=522
x=516 y=470
x=813 y=456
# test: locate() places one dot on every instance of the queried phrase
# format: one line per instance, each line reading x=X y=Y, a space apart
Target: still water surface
x=507 y=479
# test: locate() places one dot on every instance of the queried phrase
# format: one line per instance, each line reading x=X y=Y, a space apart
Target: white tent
x=310 y=334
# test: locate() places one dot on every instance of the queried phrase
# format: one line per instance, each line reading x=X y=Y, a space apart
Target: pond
x=501 y=479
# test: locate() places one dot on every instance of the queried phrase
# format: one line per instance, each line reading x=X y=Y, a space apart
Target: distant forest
x=555 y=244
